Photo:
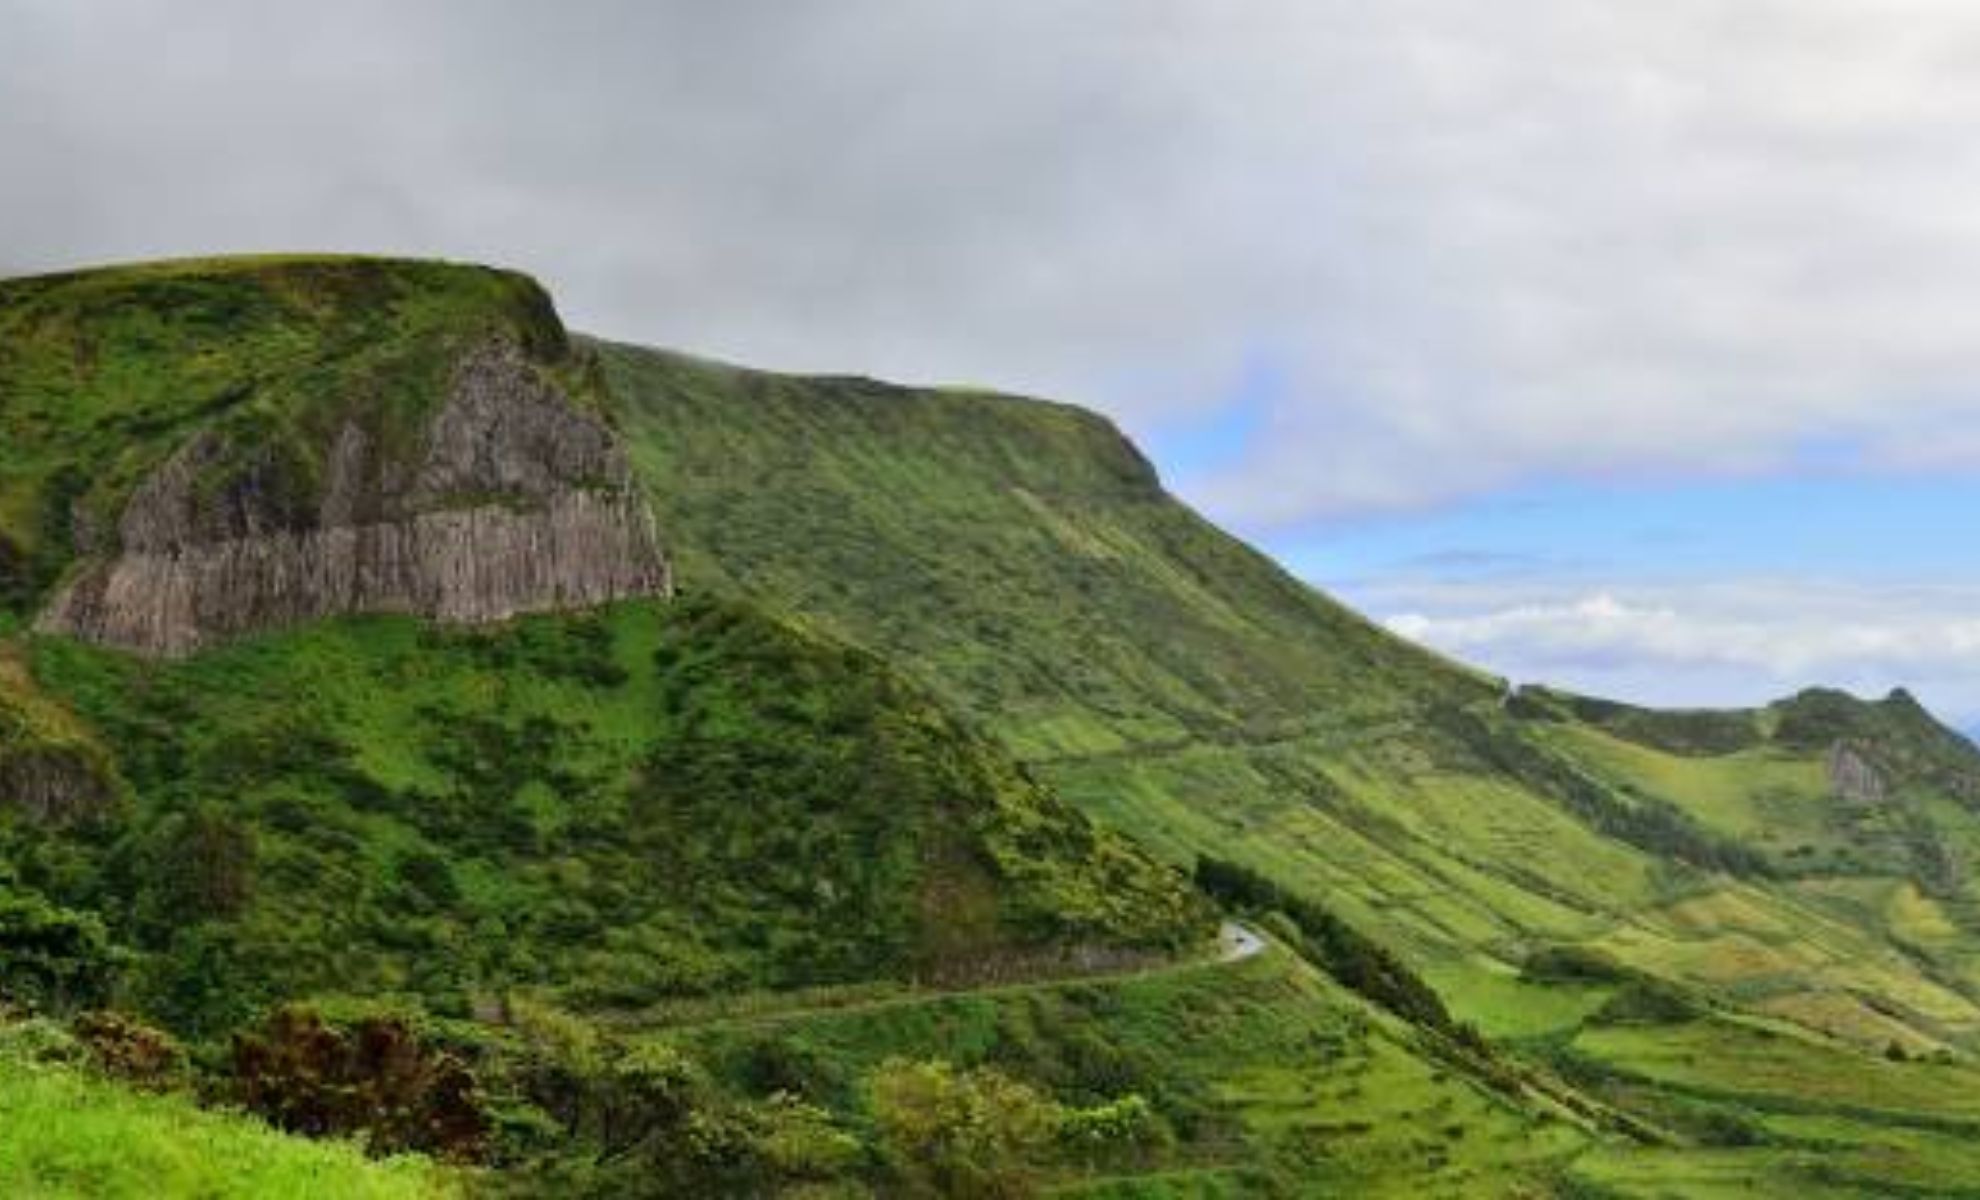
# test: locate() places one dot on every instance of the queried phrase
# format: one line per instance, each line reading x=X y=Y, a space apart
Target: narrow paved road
x=1236 y=942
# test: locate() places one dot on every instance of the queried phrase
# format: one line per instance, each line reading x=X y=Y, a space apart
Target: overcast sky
x=1626 y=344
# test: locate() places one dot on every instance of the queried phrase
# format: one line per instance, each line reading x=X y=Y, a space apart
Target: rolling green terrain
x=450 y=814
x=1021 y=559
x=865 y=864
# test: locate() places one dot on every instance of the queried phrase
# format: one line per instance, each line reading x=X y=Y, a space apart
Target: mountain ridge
x=942 y=680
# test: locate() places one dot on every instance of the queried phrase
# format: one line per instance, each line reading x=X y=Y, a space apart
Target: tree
x=51 y=958
x=373 y=1076
x=974 y=1134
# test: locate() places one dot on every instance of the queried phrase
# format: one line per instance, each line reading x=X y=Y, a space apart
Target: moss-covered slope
x=655 y=801
x=910 y=621
x=1022 y=559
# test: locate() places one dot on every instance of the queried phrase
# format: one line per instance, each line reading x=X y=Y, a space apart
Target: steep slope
x=1022 y=554
x=236 y=768
x=69 y=1133
x=655 y=801
x=250 y=444
x=207 y=461
x=1020 y=558
x=340 y=654
x=51 y=767
x=1798 y=875
x=1864 y=813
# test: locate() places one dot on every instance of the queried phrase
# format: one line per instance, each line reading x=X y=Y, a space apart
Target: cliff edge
x=382 y=437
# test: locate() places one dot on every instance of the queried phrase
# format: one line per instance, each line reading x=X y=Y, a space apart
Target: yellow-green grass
x=1292 y=1078
x=1442 y=863
x=1189 y=1183
x=1822 y=1119
x=1467 y=871
x=1767 y=795
x=63 y=1134
x=1760 y=942
x=1635 y=1173
x=1888 y=1157
x=1777 y=1066
x=1504 y=1005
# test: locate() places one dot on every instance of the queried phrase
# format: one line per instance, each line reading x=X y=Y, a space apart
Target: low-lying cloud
x=1739 y=642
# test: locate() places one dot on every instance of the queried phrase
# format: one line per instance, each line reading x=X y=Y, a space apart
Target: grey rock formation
x=1853 y=778
x=517 y=502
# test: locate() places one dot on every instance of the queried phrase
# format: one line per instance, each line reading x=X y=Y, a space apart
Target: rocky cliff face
x=1853 y=778
x=515 y=501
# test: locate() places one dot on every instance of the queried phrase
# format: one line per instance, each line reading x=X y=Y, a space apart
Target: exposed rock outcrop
x=516 y=501
x=1854 y=778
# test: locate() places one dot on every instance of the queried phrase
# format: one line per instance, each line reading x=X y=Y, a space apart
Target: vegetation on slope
x=633 y=812
x=65 y=1131
x=1020 y=555
x=1261 y=1078
x=649 y=802
x=1019 y=558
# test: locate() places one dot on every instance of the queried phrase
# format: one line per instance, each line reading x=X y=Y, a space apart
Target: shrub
x=125 y=1048
x=1649 y=1001
x=1107 y=1131
x=949 y=1132
x=52 y=959
x=1574 y=964
x=372 y=1078
x=1342 y=951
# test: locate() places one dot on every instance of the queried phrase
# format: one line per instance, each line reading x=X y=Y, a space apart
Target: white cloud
x=1739 y=642
x=1486 y=241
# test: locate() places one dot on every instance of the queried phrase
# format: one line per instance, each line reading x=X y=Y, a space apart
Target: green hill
x=1022 y=560
x=800 y=788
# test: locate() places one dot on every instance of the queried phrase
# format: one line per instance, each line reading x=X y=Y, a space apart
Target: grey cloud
x=1488 y=241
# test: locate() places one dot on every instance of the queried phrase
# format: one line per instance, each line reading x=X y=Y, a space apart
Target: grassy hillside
x=1021 y=559
x=775 y=887
x=1264 y=1078
x=650 y=802
x=65 y=1132
x=1021 y=555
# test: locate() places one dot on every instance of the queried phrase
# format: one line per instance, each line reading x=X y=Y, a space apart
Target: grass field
x=66 y=1135
x=1814 y=1116
x=1270 y=1074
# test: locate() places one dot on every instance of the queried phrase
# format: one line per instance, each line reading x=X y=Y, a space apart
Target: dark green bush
x=52 y=959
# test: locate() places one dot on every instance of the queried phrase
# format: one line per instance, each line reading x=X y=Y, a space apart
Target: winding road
x=1236 y=943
